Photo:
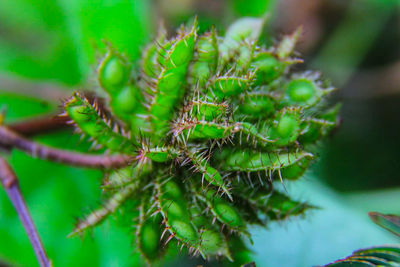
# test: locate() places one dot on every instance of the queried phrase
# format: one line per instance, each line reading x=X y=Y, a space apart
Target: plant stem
x=9 y=138
x=39 y=125
x=11 y=185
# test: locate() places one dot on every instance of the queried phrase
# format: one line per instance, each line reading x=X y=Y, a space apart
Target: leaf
x=373 y=256
x=388 y=222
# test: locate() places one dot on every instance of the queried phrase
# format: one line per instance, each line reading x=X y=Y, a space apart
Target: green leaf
x=389 y=222
x=374 y=256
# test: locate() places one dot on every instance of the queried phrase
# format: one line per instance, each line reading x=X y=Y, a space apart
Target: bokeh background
x=49 y=48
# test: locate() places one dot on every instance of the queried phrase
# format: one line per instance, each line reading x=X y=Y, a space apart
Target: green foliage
x=211 y=122
x=387 y=221
x=370 y=257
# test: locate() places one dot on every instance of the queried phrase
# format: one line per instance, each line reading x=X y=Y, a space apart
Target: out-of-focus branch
x=9 y=138
x=11 y=185
x=39 y=125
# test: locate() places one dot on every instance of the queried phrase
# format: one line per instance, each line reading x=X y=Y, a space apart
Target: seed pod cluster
x=212 y=124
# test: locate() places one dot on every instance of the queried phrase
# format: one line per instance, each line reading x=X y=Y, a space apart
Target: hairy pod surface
x=212 y=123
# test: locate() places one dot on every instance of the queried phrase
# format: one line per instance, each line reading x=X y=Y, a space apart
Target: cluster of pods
x=211 y=123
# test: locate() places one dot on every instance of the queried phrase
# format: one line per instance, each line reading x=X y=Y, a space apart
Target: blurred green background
x=49 y=48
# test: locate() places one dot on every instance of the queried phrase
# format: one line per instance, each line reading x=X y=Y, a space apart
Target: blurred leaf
x=374 y=256
x=254 y=8
x=56 y=39
x=19 y=106
x=389 y=222
x=35 y=41
x=125 y=23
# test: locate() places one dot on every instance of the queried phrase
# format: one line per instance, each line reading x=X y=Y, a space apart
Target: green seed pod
x=171 y=80
x=281 y=206
x=252 y=135
x=306 y=90
x=285 y=128
x=286 y=46
x=149 y=61
x=228 y=215
x=185 y=232
x=267 y=68
x=177 y=216
x=256 y=105
x=99 y=215
x=211 y=175
x=259 y=161
x=171 y=190
x=206 y=61
x=202 y=130
x=295 y=171
x=113 y=72
x=231 y=111
x=225 y=212
x=128 y=175
x=243 y=29
x=89 y=120
x=228 y=86
x=246 y=54
x=158 y=154
x=149 y=234
x=150 y=65
x=213 y=243
x=302 y=91
x=127 y=103
x=206 y=111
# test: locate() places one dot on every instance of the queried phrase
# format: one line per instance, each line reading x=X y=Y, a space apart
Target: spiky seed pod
x=90 y=120
x=211 y=123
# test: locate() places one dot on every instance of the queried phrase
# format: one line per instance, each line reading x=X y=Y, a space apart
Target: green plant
x=197 y=133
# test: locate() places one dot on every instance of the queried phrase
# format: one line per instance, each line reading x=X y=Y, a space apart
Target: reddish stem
x=39 y=125
x=11 y=185
x=9 y=138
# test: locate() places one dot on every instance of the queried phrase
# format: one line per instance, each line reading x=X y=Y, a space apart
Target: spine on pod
x=91 y=122
x=171 y=83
